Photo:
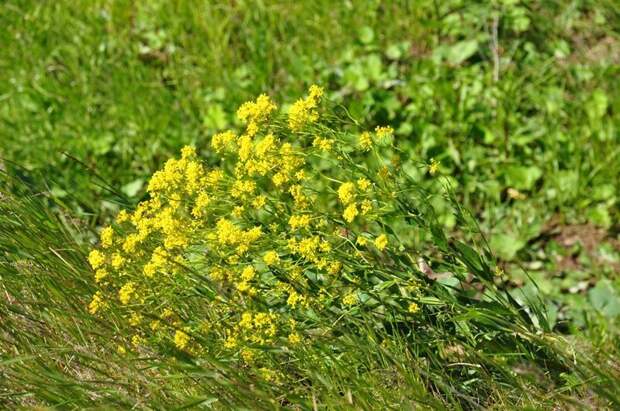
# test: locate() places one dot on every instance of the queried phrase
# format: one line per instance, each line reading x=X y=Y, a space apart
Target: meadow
x=310 y=204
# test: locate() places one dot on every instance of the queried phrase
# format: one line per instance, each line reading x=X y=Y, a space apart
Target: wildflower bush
x=305 y=233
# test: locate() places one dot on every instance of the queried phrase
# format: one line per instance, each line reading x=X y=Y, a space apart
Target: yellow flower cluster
x=348 y=194
x=181 y=339
x=304 y=111
x=433 y=167
x=253 y=113
x=249 y=253
x=382 y=134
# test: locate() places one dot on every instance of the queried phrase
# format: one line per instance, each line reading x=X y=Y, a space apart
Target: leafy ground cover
x=515 y=102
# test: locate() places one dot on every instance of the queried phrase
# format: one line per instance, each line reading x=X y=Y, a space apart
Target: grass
x=65 y=357
x=518 y=101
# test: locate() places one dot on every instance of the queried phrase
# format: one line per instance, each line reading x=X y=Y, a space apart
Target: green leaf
x=393 y=52
x=374 y=67
x=596 y=107
x=58 y=192
x=461 y=51
x=566 y=183
x=366 y=35
x=521 y=177
x=603 y=192
x=605 y=298
x=506 y=245
x=102 y=144
x=133 y=188
x=469 y=256
x=215 y=117
x=600 y=216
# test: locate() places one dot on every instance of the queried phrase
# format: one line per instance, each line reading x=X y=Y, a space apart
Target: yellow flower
x=122 y=216
x=135 y=319
x=96 y=303
x=106 y=237
x=307 y=248
x=202 y=202
x=126 y=291
x=323 y=144
x=194 y=172
x=248 y=355
x=300 y=175
x=366 y=207
x=188 y=152
x=96 y=259
x=381 y=242
x=299 y=221
x=255 y=112
x=350 y=213
x=270 y=375
x=211 y=220
x=346 y=193
x=149 y=269
x=271 y=258
x=350 y=299
x=137 y=340
x=223 y=141
x=100 y=274
x=279 y=179
x=303 y=111
x=117 y=261
x=384 y=132
x=230 y=342
x=246 y=320
x=364 y=184
x=294 y=338
x=316 y=92
x=259 y=202
x=301 y=201
x=294 y=298
x=181 y=339
x=238 y=211
x=433 y=166
x=334 y=267
x=242 y=188
x=227 y=232
x=365 y=141
x=213 y=177
x=248 y=273
x=413 y=308
x=130 y=243
x=264 y=146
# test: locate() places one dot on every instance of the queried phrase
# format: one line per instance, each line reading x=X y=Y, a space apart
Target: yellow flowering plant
x=302 y=229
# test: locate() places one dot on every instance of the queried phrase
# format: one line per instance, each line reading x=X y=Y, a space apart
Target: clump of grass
x=55 y=353
x=321 y=306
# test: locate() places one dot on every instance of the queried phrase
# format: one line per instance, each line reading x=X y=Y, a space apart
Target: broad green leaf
x=596 y=107
x=605 y=298
x=600 y=216
x=215 y=117
x=461 y=51
x=366 y=35
x=506 y=245
x=522 y=177
x=133 y=188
